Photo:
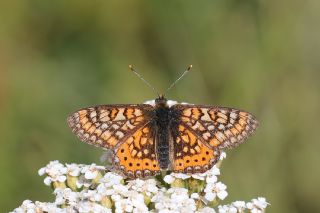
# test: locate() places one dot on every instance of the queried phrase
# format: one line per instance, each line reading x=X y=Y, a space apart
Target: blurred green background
x=261 y=56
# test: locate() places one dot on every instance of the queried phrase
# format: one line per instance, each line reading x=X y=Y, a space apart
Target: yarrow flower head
x=93 y=188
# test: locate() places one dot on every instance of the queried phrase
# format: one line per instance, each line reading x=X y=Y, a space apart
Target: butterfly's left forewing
x=108 y=125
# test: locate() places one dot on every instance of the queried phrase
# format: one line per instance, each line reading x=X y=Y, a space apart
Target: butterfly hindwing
x=191 y=153
x=136 y=157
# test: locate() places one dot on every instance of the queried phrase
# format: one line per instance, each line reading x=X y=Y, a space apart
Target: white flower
x=148 y=186
x=30 y=207
x=42 y=171
x=195 y=196
x=223 y=155
x=180 y=176
x=91 y=207
x=206 y=210
x=65 y=196
x=210 y=196
x=120 y=189
x=91 y=195
x=188 y=205
x=103 y=191
x=91 y=171
x=110 y=179
x=178 y=194
x=257 y=205
x=48 y=207
x=123 y=195
x=27 y=206
x=73 y=169
x=55 y=172
x=240 y=205
x=82 y=181
x=215 y=189
x=115 y=197
x=138 y=202
x=199 y=176
x=168 y=179
x=47 y=181
x=211 y=179
x=174 y=200
x=227 y=209
x=220 y=189
x=213 y=171
x=123 y=205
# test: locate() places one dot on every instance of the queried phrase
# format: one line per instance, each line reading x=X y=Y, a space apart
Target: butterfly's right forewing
x=218 y=127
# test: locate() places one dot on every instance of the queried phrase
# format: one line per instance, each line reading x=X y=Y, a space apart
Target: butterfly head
x=161 y=100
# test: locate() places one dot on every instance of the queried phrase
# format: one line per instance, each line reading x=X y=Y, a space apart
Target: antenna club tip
x=189 y=67
x=131 y=67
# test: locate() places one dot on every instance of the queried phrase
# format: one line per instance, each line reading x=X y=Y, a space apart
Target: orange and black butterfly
x=159 y=135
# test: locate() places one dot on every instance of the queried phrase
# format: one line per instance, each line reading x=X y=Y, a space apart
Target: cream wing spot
x=120 y=134
x=206 y=135
x=145 y=151
x=104 y=126
x=93 y=114
x=222 y=115
x=139 y=155
x=143 y=141
x=220 y=136
x=211 y=127
x=137 y=112
x=105 y=118
x=187 y=112
x=221 y=120
x=129 y=125
x=114 y=126
x=206 y=116
x=221 y=127
x=233 y=115
x=120 y=115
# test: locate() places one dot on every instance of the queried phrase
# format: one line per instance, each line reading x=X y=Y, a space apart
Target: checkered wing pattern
x=125 y=130
x=136 y=157
x=105 y=126
x=204 y=131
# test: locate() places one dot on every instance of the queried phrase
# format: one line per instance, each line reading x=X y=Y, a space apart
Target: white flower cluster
x=89 y=188
x=255 y=206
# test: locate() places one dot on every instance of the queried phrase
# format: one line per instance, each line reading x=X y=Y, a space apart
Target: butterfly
x=146 y=139
x=162 y=135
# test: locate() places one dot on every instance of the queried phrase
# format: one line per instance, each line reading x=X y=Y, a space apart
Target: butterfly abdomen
x=162 y=120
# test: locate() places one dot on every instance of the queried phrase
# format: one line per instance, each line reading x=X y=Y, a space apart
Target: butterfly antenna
x=183 y=74
x=139 y=76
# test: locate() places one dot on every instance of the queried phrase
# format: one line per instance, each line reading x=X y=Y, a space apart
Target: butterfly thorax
x=163 y=121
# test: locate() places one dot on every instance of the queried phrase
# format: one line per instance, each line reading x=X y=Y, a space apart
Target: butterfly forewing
x=108 y=125
x=217 y=127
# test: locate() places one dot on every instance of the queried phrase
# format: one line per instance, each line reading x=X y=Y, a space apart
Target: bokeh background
x=261 y=56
